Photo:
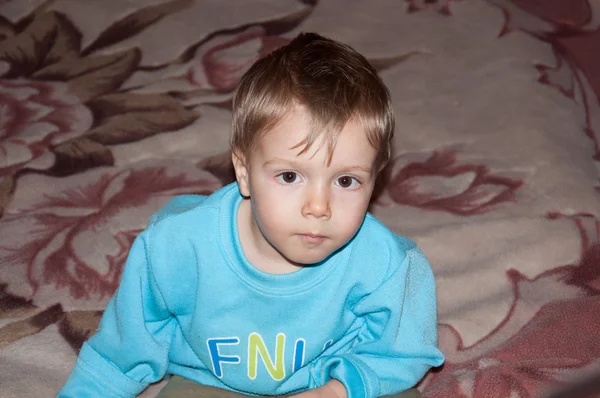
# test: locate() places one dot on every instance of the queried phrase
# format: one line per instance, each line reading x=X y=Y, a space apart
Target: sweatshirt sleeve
x=397 y=344
x=130 y=348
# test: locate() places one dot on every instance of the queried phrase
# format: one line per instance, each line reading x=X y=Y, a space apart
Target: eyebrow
x=368 y=170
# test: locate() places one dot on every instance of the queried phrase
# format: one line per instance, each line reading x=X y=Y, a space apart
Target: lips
x=313 y=238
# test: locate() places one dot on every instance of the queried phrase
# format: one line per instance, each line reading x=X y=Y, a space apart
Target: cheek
x=271 y=210
x=351 y=212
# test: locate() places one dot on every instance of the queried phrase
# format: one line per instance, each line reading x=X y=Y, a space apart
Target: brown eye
x=347 y=182
x=288 y=177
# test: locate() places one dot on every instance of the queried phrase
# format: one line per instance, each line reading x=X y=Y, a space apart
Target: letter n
x=256 y=346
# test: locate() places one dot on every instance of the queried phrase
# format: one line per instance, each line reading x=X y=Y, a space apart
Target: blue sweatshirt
x=191 y=304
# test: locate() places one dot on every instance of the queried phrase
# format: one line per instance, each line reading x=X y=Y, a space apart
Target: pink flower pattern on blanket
x=526 y=353
x=35 y=115
x=102 y=107
x=228 y=57
x=442 y=183
x=440 y=6
x=80 y=236
x=569 y=27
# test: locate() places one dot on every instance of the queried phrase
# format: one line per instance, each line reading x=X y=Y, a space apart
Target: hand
x=332 y=389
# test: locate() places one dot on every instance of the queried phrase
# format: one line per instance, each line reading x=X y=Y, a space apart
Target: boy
x=280 y=283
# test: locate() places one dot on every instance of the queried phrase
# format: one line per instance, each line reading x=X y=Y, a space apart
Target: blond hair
x=334 y=84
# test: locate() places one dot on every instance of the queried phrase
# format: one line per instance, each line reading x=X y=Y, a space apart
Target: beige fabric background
x=108 y=108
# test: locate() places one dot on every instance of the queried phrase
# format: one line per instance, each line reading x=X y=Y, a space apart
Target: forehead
x=288 y=138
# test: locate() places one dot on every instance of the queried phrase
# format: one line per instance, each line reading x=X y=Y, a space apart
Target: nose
x=317 y=203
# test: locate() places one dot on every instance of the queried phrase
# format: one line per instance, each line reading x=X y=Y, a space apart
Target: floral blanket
x=108 y=108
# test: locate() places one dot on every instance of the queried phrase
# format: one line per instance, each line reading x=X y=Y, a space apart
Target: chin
x=307 y=260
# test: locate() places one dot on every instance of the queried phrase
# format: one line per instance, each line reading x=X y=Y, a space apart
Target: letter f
x=216 y=357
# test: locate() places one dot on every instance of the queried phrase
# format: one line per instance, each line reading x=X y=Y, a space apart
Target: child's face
x=302 y=208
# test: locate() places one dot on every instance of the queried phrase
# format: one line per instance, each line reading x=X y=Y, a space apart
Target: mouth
x=313 y=238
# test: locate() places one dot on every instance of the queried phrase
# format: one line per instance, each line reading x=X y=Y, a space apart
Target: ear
x=241 y=172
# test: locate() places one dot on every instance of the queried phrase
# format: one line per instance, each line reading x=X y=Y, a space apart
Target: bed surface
x=108 y=108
